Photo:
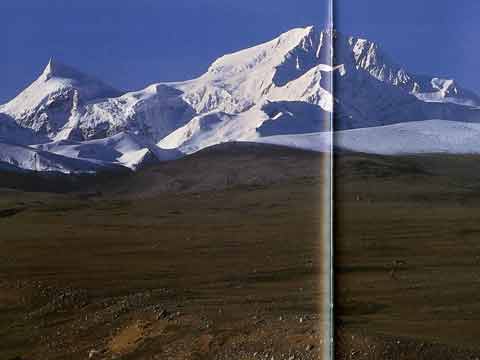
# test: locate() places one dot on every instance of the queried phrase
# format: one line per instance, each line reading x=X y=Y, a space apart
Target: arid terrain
x=215 y=256
x=407 y=256
x=219 y=256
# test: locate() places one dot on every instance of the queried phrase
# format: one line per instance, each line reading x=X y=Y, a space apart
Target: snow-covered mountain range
x=284 y=91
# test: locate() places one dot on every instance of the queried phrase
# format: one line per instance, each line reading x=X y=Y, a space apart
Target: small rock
x=92 y=353
x=162 y=314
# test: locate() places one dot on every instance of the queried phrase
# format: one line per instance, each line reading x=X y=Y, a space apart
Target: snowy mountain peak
x=247 y=59
x=282 y=87
x=356 y=53
x=67 y=76
x=49 y=70
x=235 y=82
x=445 y=86
x=46 y=105
x=55 y=69
x=363 y=54
x=298 y=47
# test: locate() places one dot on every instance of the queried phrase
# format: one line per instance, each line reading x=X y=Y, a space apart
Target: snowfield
x=429 y=136
x=27 y=158
x=125 y=149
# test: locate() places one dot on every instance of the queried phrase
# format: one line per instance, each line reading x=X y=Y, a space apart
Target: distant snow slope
x=68 y=156
x=126 y=149
x=429 y=136
x=319 y=141
x=27 y=158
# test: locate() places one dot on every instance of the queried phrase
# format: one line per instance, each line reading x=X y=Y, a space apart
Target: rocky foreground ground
x=161 y=265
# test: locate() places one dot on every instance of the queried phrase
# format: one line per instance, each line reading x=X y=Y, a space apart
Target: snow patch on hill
x=28 y=158
x=429 y=136
x=125 y=149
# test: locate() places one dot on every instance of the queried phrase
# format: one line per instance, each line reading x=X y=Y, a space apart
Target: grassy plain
x=407 y=256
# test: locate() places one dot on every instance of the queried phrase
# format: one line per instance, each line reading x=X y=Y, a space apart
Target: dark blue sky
x=132 y=43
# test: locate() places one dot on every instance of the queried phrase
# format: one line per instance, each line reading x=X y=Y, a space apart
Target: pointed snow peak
x=59 y=70
x=59 y=90
x=48 y=71
x=51 y=70
x=299 y=37
x=299 y=33
x=65 y=76
x=305 y=44
x=368 y=53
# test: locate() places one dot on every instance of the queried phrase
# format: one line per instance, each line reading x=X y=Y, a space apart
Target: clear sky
x=132 y=43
